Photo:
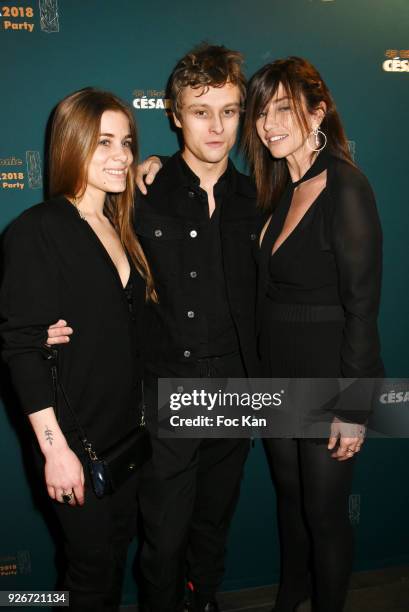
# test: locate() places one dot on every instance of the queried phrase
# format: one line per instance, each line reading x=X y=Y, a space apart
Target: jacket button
x=191 y=194
x=193 y=274
x=186 y=354
x=193 y=233
x=158 y=233
x=253 y=236
x=190 y=314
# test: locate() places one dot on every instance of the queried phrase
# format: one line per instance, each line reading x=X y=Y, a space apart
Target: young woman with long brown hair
x=319 y=288
x=76 y=255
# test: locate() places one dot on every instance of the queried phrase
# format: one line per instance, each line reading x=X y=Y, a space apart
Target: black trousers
x=188 y=495
x=315 y=532
x=96 y=537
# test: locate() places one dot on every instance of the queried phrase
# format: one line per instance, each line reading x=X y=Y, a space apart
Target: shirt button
x=186 y=354
x=158 y=233
x=193 y=233
x=190 y=314
x=191 y=194
x=193 y=274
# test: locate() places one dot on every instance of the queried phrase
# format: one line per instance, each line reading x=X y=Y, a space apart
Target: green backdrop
x=50 y=48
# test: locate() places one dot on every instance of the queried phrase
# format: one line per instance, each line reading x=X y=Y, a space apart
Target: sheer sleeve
x=28 y=305
x=357 y=243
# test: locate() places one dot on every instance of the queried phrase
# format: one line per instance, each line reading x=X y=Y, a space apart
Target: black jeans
x=188 y=495
x=96 y=539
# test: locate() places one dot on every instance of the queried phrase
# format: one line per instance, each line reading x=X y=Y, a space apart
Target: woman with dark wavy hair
x=320 y=275
x=77 y=256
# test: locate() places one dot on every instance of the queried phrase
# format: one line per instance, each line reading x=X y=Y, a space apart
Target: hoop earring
x=316 y=132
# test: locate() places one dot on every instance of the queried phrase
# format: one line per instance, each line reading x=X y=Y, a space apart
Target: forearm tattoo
x=49 y=435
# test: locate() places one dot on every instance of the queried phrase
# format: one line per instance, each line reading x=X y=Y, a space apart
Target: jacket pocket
x=159 y=228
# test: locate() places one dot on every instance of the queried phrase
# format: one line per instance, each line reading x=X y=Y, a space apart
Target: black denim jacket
x=172 y=240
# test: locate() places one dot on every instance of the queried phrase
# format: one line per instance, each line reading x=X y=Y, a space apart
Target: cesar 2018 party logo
x=27 y=18
x=398 y=61
x=16 y=564
x=150 y=99
x=16 y=175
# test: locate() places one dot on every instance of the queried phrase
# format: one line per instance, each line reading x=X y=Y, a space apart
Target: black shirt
x=216 y=335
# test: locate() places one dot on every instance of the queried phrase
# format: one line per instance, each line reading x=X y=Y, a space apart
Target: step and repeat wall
x=50 y=48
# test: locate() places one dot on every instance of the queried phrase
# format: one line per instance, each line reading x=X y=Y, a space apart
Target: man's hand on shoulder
x=146 y=172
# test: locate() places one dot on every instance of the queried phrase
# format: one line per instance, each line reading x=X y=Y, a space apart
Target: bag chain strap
x=53 y=355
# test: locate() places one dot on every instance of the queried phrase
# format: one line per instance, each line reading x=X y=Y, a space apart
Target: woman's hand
x=351 y=437
x=64 y=475
x=146 y=172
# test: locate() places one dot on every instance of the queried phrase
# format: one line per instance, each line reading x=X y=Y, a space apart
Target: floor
x=375 y=591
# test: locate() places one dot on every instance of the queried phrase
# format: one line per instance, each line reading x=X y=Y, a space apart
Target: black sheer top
x=332 y=257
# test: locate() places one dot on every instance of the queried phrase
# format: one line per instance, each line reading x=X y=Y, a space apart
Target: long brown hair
x=75 y=133
x=302 y=83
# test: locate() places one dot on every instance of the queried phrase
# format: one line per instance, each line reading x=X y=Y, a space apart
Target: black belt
x=303 y=313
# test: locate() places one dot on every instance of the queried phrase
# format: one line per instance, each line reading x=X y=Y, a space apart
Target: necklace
x=82 y=215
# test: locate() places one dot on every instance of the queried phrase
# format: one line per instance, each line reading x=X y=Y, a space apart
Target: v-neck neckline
x=319 y=165
x=300 y=223
x=102 y=248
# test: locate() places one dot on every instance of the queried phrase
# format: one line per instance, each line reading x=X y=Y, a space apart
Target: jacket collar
x=176 y=174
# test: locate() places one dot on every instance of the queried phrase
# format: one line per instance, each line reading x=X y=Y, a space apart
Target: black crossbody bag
x=112 y=467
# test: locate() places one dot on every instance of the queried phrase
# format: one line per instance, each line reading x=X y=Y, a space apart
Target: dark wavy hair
x=306 y=89
x=203 y=67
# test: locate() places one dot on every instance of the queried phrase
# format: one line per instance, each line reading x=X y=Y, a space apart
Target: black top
x=56 y=267
x=332 y=258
